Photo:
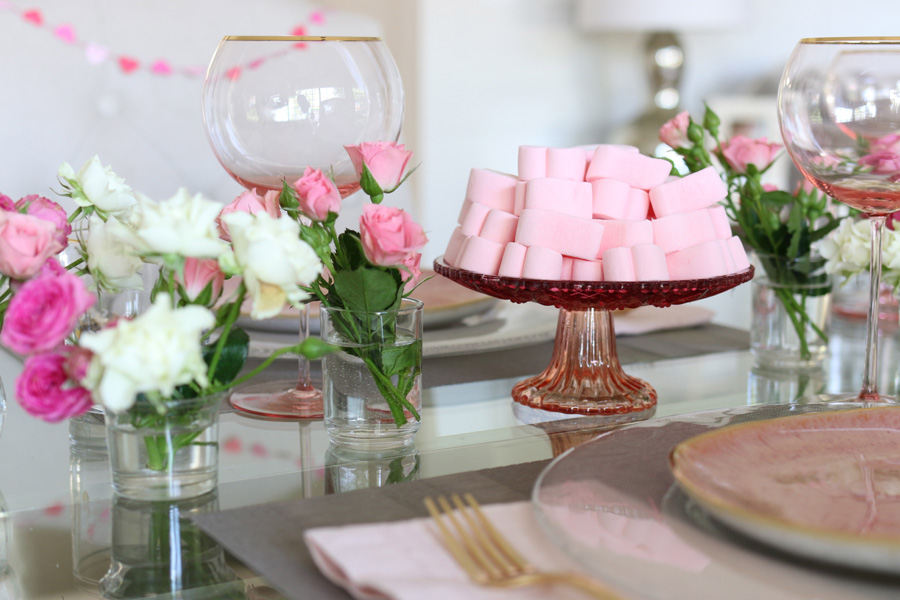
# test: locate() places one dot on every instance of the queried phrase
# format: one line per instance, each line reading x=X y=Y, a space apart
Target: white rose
x=154 y=352
x=272 y=259
x=113 y=263
x=183 y=225
x=848 y=250
x=99 y=187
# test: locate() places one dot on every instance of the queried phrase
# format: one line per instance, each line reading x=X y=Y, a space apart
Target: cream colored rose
x=99 y=187
x=272 y=259
x=113 y=264
x=154 y=352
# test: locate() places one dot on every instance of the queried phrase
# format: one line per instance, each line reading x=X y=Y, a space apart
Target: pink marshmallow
x=560 y=195
x=566 y=163
x=567 y=266
x=466 y=205
x=720 y=221
x=625 y=233
x=513 y=261
x=738 y=253
x=475 y=218
x=579 y=238
x=587 y=270
x=481 y=256
x=649 y=263
x=730 y=265
x=492 y=188
x=618 y=265
x=542 y=263
x=691 y=192
x=697 y=262
x=453 y=246
x=681 y=230
x=532 y=162
x=635 y=169
x=500 y=226
x=613 y=199
x=521 y=187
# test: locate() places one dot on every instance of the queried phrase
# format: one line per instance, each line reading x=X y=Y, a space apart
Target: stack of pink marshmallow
x=599 y=213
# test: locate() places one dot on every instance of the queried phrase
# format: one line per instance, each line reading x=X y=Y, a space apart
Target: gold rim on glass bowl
x=851 y=40
x=297 y=38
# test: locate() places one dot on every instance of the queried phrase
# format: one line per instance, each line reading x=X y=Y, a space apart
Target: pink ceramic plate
x=825 y=486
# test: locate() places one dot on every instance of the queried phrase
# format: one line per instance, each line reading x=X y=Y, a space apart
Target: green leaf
x=397 y=359
x=233 y=357
x=288 y=197
x=351 y=250
x=369 y=289
x=370 y=186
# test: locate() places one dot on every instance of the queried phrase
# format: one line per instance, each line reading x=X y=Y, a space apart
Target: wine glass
x=839 y=111
x=275 y=105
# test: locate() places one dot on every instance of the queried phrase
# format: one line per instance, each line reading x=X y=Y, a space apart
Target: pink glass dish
x=584 y=376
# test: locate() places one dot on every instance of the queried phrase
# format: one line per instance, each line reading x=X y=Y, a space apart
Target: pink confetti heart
x=233 y=73
x=254 y=64
x=299 y=31
x=95 y=53
x=128 y=64
x=317 y=17
x=34 y=16
x=161 y=67
x=65 y=33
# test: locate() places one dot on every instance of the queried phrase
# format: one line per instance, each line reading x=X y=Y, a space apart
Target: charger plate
x=612 y=504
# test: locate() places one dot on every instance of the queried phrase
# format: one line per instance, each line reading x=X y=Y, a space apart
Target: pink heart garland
x=233 y=73
x=65 y=33
x=317 y=17
x=128 y=64
x=161 y=67
x=95 y=53
x=255 y=64
x=34 y=16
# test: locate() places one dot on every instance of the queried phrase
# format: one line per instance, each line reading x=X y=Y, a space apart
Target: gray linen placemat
x=268 y=538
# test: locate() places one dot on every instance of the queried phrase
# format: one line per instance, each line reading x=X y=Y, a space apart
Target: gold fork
x=488 y=558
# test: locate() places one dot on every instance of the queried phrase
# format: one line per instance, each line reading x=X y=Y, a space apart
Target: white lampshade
x=659 y=15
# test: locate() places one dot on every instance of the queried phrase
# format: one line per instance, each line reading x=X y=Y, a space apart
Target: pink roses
x=317 y=195
x=44 y=311
x=48 y=210
x=389 y=234
x=884 y=156
x=44 y=388
x=385 y=164
x=203 y=280
x=26 y=242
x=740 y=152
x=675 y=131
x=249 y=202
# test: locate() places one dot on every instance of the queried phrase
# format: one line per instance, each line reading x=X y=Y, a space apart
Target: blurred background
x=122 y=79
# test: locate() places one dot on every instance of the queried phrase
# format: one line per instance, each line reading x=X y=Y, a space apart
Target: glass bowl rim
x=298 y=38
x=852 y=40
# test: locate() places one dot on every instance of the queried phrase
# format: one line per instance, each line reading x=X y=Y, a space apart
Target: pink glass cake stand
x=584 y=376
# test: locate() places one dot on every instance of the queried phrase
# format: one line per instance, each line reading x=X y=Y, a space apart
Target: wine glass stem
x=303 y=378
x=870 y=371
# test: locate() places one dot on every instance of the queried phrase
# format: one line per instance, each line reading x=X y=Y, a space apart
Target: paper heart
x=254 y=64
x=95 y=53
x=65 y=33
x=34 y=16
x=299 y=30
x=317 y=17
x=161 y=67
x=233 y=73
x=128 y=64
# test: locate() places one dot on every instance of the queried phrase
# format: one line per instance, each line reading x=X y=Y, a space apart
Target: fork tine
x=485 y=540
x=499 y=540
x=458 y=552
x=469 y=543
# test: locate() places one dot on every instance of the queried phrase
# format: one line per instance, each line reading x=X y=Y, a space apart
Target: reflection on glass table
x=58 y=519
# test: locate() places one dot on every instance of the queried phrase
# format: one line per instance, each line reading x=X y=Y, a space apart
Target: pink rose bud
x=44 y=312
x=44 y=389
x=6 y=203
x=769 y=187
x=386 y=162
x=250 y=202
x=48 y=210
x=26 y=242
x=410 y=272
x=741 y=151
x=317 y=195
x=200 y=275
x=675 y=131
x=389 y=234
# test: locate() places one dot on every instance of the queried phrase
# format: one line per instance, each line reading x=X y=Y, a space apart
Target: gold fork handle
x=577 y=580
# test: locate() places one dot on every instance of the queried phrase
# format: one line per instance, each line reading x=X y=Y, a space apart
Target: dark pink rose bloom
x=317 y=195
x=26 y=242
x=43 y=312
x=741 y=151
x=6 y=203
x=386 y=162
x=389 y=234
x=674 y=132
x=410 y=272
x=44 y=389
x=249 y=202
x=48 y=210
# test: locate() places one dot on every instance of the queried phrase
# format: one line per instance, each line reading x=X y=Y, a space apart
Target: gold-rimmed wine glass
x=275 y=105
x=839 y=111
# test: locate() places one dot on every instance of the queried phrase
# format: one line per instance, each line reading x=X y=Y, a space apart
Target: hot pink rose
x=317 y=195
x=250 y=202
x=45 y=390
x=44 y=312
x=200 y=274
x=741 y=151
x=26 y=242
x=48 y=210
x=410 y=272
x=675 y=131
x=884 y=162
x=389 y=234
x=6 y=203
x=386 y=162
x=887 y=143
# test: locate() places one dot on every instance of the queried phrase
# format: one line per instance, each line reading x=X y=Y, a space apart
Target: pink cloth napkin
x=405 y=560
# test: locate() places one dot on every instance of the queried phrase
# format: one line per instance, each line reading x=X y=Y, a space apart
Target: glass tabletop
x=55 y=533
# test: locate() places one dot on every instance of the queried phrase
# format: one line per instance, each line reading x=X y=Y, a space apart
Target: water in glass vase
x=357 y=415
